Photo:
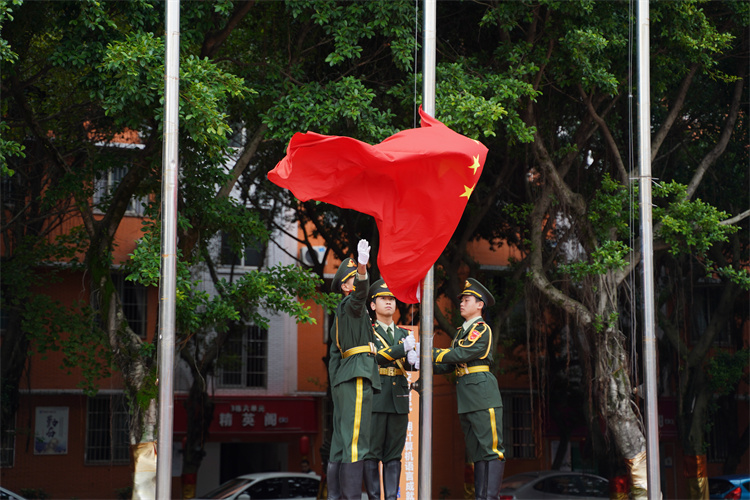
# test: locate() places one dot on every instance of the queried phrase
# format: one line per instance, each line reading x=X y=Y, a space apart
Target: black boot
x=480 y=480
x=332 y=481
x=350 y=478
x=372 y=479
x=495 y=471
x=391 y=475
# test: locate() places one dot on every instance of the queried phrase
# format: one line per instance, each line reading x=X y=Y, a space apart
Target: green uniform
x=480 y=407
x=390 y=408
x=354 y=377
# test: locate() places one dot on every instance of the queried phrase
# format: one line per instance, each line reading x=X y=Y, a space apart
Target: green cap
x=346 y=270
x=379 y=289
x=475 y=288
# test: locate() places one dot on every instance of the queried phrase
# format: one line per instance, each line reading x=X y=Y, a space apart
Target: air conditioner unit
x=307 y=257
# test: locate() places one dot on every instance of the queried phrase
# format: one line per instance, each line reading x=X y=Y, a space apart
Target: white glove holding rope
x=413 y=357
x=363 y=252
x=409 y=343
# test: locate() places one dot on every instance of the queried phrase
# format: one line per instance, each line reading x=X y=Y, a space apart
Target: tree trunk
x=199 y=408
x=613 y=376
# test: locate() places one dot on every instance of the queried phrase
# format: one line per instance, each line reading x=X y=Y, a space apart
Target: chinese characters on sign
x=246 y=415
x=410 y=457
x=51 y=430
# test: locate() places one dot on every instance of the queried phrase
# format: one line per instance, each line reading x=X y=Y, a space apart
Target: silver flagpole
x=167 y=284
x=649 y=337
x=428 y=284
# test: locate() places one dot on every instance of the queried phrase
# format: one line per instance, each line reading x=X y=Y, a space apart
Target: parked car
x=6 y=494
x=551 y=484
x=266 y=486
x=733 y=486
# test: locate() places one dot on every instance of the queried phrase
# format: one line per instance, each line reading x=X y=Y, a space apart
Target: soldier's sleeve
x=390 y=354
x=356 y=307
x=442 y=368
x=476 y=345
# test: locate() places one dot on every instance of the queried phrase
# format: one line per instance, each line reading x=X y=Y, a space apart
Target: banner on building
x=51 y=430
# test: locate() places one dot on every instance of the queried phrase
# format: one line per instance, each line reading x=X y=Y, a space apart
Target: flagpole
x=428 y=284
x=649 y=337
x=167 y=285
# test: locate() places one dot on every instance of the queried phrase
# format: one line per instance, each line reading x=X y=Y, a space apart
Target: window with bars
x=252 y=256
x=7 y=445
x=134 y=299
x=108 y=181
x=107 y=439
x=518 y=426
x=244 y=360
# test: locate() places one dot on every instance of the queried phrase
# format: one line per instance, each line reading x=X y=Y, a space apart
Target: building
x=271 y=409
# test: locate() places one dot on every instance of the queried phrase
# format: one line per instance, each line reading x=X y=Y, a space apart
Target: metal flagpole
x=167 y=283
x=428 y=284
x=649 y=337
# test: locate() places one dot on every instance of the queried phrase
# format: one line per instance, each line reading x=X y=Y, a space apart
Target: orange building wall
x=60 y=476
x=311 y=349
x=44 y=369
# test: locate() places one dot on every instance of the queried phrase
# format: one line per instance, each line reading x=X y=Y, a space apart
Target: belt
x=465 y=370
x=362 y=349
x=391 y=371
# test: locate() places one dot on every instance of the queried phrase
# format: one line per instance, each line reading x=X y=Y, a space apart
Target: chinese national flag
x=415 y=184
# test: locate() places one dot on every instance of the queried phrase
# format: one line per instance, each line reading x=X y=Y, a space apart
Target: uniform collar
x=385 y=327
x=470 y=322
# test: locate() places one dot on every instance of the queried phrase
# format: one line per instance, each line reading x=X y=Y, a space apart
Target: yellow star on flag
x=475 y=165
x=467 y=191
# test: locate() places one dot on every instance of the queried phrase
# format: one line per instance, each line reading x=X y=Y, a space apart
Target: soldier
x=480 y=407
x=354 y=376
x=390 y=408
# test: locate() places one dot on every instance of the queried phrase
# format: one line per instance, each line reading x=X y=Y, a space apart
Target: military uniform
x=354 y=376
x=390 y=408
x=480 y=406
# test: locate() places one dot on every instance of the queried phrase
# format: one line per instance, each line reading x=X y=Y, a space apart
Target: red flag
x=415 y=184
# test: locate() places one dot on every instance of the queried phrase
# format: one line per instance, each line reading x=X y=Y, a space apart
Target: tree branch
x=721 y=145
x=609 y=140
x=666 y=126
x=213 y=41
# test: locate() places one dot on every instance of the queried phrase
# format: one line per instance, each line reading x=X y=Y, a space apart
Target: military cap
x=475 y=288
x=379 y=289
x=346 y=270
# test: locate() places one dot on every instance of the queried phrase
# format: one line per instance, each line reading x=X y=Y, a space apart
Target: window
x=7 y=445
x=244 y=361
x=107 y=439
x=518 y=430
x=107 y=182
x=133 y=296
x=718 y=438
x=251 y=257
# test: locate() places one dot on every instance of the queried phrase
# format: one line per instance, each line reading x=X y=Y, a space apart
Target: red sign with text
x=238 y=415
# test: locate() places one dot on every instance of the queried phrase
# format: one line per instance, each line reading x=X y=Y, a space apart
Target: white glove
x=363 y=252
x=409 y=343
x=413 y=358
x=416 y=348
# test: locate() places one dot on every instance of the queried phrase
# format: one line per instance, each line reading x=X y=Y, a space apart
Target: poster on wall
x=51 y=430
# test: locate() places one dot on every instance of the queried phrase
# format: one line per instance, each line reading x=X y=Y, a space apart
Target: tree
x=94 y=70
x=579 y=171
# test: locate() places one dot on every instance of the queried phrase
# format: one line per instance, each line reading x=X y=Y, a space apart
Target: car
x=551 y=484
x=6 y=494
x=266 y=486
x=732 y=486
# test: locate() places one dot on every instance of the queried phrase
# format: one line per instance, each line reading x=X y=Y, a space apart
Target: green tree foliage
x=546 y=85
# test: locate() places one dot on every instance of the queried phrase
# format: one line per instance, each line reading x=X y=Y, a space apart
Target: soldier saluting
x=354 y=377
x=480 y=407
x=390 y=407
